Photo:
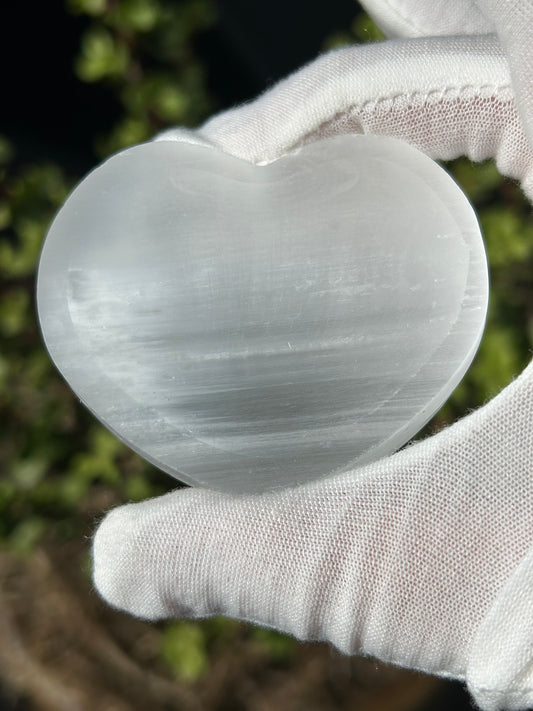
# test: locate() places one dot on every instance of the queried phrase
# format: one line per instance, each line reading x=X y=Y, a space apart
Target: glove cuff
x=500 y=664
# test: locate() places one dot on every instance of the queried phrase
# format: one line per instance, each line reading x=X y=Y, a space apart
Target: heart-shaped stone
x=248 y=327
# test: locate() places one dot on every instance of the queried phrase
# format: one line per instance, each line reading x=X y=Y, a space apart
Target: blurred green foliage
x=54 y=458
x=505 y=218
x=143 y=50
x=56 y=462
x=184 y=649
x=278 y=647
x=363 y=29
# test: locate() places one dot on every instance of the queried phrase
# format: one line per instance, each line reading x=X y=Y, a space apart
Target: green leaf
x=478 y=180
x=498 y=361
x=20 y=259
x=71 y=491
x=7 y=151
x=93 y=8
x=27 y=473
x=183 y=648
x=101 y=56
x=279 y=647
x=5 y=370
x=128 y=132
x=508 y=236
x=336 y=40
x=14 y=312
x=5 y=215
x=26 y=535
x=365 y=29
x=138 y=488
x=136 y=15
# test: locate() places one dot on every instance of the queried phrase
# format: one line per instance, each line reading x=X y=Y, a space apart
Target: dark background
x=49 y=114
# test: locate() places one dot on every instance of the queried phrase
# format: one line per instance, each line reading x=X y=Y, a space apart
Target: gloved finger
x=513 y=21
x=446 y=96
x=420 y=18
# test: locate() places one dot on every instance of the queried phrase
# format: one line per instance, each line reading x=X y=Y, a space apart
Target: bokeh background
x=80 y=80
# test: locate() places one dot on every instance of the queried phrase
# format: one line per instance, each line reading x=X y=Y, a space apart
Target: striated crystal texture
x=250 y=327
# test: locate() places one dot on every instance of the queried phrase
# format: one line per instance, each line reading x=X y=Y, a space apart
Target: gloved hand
x=425 y=558
x=511 y=20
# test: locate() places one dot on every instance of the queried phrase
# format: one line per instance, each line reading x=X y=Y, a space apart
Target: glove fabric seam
x=495 y=88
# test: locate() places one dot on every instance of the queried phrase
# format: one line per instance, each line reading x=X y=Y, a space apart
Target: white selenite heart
x=248 y=327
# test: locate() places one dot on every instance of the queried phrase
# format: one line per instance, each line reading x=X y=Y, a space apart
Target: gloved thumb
x=190 y=553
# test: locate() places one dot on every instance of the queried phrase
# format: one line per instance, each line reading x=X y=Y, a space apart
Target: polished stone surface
x=245 y=327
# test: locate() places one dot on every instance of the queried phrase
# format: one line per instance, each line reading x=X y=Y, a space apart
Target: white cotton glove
x=425 y=558
x=511 y=20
